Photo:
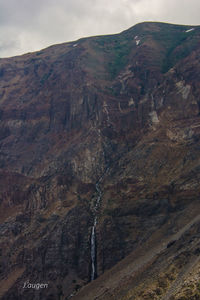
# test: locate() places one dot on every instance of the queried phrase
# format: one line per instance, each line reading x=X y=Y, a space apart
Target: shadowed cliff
x=122 y=108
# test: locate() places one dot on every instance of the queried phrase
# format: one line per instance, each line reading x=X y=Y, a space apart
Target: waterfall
x=93 y=250
x=93 y=232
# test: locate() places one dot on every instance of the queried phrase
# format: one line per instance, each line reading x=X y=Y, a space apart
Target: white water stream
x=93 y=250
x=93 y=232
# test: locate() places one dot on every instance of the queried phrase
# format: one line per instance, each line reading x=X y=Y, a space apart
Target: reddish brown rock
x=126 y=103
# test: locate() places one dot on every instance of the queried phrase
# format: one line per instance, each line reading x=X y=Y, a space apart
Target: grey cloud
x=32 y=25
x=7 y=45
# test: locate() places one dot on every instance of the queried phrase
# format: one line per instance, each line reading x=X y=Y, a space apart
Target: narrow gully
x=93 y=249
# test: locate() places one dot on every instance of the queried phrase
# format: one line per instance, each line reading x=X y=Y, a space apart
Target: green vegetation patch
x=174 y=43
x=177 y=41
x=115 y=49
x=179 y=50
x=120 y=52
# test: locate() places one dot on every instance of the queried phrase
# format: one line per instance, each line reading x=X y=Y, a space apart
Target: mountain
x=100 y=169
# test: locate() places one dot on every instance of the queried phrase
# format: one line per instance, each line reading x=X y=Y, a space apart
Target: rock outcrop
x=126 y=103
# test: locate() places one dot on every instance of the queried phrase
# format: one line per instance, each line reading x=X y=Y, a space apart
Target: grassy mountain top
x=170 y=44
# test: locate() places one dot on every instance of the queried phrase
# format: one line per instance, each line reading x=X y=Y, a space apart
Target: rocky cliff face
x=124 y=108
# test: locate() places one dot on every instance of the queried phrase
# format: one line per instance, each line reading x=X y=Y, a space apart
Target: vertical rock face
x=126 y=103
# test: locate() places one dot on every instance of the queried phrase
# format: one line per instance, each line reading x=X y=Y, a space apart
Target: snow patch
x=137 y=40
x=189 y=30
x=131 y=102
x=75 y=45
x=183 y=89
x=154 y=117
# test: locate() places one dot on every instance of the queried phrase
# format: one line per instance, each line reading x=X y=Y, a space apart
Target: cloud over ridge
x=29 y=26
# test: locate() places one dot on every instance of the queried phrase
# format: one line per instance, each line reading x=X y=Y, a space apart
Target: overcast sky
x=29 y=25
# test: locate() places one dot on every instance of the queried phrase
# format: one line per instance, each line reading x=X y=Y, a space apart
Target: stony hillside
x=100 y=168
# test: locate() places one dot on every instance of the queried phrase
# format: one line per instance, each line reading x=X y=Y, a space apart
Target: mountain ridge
x=126 y=103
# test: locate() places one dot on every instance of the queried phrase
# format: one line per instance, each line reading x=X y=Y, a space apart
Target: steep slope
x=105 y=128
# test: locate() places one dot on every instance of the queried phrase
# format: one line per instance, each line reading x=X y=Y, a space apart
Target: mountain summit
x=99 y=168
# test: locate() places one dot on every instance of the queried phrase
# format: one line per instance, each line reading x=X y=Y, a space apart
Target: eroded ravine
x=95 y=211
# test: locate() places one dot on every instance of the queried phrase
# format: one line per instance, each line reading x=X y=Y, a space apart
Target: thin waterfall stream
x=93 y=232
